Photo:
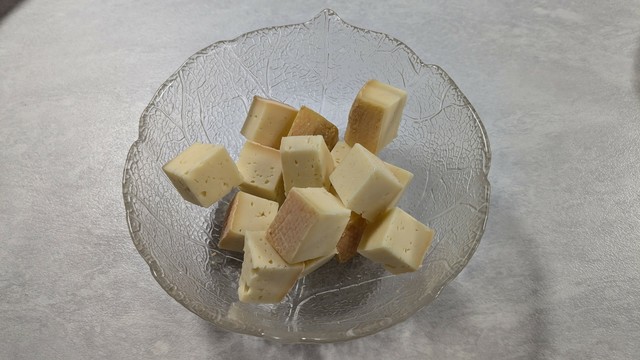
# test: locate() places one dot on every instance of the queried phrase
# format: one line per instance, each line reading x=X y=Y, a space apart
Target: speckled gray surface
x=556 y=83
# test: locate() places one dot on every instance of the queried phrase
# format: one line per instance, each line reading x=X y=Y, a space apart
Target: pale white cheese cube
x=268 y=121
x=246 y=213
x=404 y=177
x=306 y=162
x=203 y=173
x=339 y=152
x=364 y=183
x=396 y=240
x=265 y=277
x=261 y=169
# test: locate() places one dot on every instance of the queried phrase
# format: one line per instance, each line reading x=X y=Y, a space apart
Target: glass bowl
x=321 y=63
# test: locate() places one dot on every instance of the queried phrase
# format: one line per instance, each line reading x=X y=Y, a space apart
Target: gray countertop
x=557 y=84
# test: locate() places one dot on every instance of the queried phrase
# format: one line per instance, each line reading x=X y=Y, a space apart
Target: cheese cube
x=203 y=173
x=364 y=183
x=261 y=169
x=309 y=122
x=306 y=162
x=404 y=177
x=268 y=121
x=347 y=246
x=314 y=264
x=339 y=152
x=375 y=115
x=308 y=225
x=396 y=240
x=246 y=213
x=265 y=277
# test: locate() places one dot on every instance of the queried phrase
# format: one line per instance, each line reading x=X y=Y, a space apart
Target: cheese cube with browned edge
x=308 y=225
x=309 y=122
x=347 y=246
x=246 y=213
x=306 y=162
x=314 y=264
x=396 y=240
x=261 y=169
x=364 y=183
x=265 y=277
x=268 y=121
x=404 y=177
x=203 y=173
x=375 y=115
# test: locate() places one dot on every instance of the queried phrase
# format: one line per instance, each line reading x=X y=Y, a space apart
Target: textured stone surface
x=556 y=84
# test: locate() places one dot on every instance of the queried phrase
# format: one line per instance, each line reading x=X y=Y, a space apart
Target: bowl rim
x=196 y=308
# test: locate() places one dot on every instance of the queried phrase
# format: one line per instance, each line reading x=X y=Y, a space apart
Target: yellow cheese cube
x=314 y=264
x=339 y=152
x=261 y=169
x=203 y=173
x=246 y=213
x=375 y=115
x=268 y=121
x=347 y=246
x=396 y=240
x=265 y=277
x=309 y=122
x=306 y=162
x=308 y=225
x=364 y=183
x=404 y=177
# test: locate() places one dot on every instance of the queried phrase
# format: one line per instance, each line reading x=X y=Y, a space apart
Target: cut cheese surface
x=396 y=240
x=261 y=169
x=347 y=246
x=268 y=121
x=308 y=225
x=404 y=177
x=246 y=213
x=203 y=173
x=265 y=276
x=339 y=152
x=375 y=115
x=306 y=162
x=364 y=183
x=314 y=264
x=309 y=122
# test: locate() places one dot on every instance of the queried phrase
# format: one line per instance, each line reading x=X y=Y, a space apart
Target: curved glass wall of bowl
x=321 y=63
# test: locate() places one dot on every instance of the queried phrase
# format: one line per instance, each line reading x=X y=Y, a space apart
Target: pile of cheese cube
x=306 y=197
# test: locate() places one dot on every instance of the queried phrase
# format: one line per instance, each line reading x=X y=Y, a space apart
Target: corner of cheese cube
x=396 y=240
x=364 y=183
x=314 y=264
x=268 y=121
x=261 y=169
x=203 y=173
x=347 y=246
x=306 y=162
x=339 y=152
x=246 y=213
x=308 y=225
x=265 y=277
x=375 y=115
x=404 y=177
x=309 y=122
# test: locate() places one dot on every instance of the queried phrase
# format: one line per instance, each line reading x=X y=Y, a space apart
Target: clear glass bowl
x=321 y=63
